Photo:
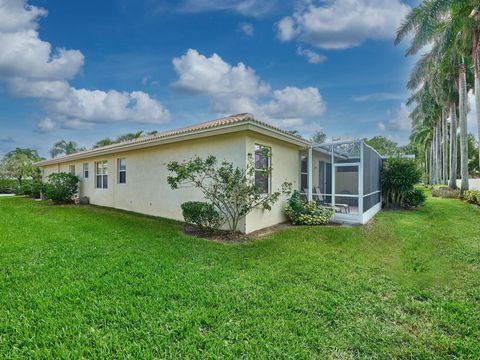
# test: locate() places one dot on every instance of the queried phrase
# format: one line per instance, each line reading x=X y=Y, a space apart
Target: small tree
x=61 y=187
x=319 y=137
x=230 y=189
x=18 y=164
x=383 y=145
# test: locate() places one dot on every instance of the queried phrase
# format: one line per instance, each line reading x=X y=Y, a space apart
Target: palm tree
x=64 y=147
x=474 y=23
x=103 y=142
x=446 y=24
x=129 y=136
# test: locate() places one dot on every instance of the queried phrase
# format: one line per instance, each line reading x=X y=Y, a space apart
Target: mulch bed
x=224 y=236
x=227 y=237
x=220 y=235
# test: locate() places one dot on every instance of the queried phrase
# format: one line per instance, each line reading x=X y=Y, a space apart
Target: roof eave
x=247 y=125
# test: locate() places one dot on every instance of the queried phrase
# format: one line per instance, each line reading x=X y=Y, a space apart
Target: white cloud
x=77 y=124
x=46 y=125
x=100 y=106
x=399 y=119
x=287 y=29
x=237 y=89
x=381 y=126
x=244 y=7
x=16 y=15
x=312 y=56
x=24 y=54
x=382 y=96
x=247 y=28
x=292 y=102
x=31 y=67
x=42 y=89
x=213 y=76
x=341 y=24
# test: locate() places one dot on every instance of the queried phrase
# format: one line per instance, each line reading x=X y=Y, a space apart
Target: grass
x=92 y=282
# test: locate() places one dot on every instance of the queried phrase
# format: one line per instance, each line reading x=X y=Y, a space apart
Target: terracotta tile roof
x=217 y=123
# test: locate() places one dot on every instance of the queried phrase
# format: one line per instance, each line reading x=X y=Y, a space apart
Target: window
x=303 y=173
x=85 y=170
x=122 y=170
x=102 y=175
x=71 y=169
x=262 y=166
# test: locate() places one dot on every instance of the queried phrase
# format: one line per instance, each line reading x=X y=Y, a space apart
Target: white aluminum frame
x=361 y=217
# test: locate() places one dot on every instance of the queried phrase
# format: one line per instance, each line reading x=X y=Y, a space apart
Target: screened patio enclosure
x=344 y=175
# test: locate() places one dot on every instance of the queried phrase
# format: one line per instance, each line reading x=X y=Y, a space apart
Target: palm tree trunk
x=432 y=172
x=438 y=154
x=453 y=147
x=434 y=156
x=462 y=85
x=425 y=162
x=477 y=105
x=445 y=148
x=476 y=65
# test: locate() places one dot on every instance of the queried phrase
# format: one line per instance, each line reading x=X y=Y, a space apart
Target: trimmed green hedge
x=8 y=186
x=202 y=214
x=29 y=187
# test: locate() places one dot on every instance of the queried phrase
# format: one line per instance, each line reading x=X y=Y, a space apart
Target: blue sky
x=85 y=70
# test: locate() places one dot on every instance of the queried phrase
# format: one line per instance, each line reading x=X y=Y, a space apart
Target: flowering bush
x=61 y=187
x=444 y=191
x=472 y=196
x=306 y=213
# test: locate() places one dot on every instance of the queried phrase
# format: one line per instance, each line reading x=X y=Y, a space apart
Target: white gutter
x=247 y=125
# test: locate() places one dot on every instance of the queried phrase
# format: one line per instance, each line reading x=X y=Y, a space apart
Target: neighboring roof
x=152 y=140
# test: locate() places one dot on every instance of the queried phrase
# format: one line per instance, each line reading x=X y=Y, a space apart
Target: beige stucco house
x=133 y=175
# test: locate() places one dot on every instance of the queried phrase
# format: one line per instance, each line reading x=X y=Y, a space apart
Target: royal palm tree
x=64 y=147
x=129 y=136
x=103 y=142
x=449 y=26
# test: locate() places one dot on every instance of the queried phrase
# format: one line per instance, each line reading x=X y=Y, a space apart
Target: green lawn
x=93 y=282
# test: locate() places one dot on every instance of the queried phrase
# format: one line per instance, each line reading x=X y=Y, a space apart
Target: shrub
x=444 y=191
x=233 y=190
x=201 y=214
x=36 y=189
x=414 y=198
x=472 y=196
x=24 y=189
x=306 y=213
x=8 y=186
x=61 y=187
x=398 y=179
x=29 y=187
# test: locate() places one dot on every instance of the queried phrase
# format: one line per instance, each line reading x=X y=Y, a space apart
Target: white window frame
x=119 y=170
x=302 y=158
x=269 y=176
x=86 y=170
x=103 y=175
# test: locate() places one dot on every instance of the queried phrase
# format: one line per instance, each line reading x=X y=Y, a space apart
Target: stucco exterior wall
x=147 y=191
x=286 y=168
